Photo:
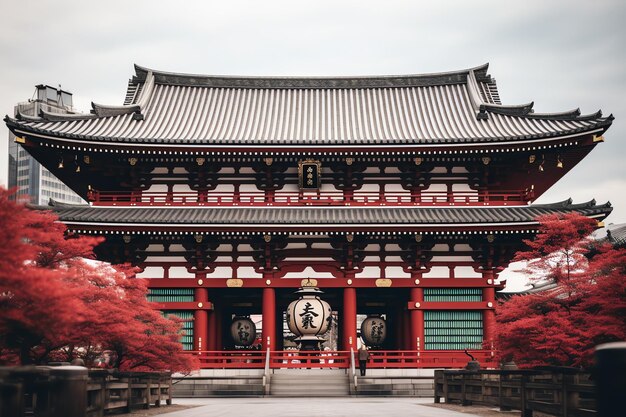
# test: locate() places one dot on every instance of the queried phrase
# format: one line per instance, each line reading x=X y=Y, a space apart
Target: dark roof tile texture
x=423 y=216
x=184 y=109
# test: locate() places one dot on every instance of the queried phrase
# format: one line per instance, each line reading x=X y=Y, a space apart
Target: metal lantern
x=374 y=330
x=309 y=317
x=243 y=331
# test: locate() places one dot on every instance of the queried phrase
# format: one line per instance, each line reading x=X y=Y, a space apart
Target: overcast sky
x=559 y=54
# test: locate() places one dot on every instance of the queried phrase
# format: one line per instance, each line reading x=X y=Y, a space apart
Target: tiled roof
x=455 y=107
x=304 y=216
x=616 y=234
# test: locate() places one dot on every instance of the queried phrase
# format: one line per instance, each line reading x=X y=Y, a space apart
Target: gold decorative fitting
x=200 y=161
x=268 y=282
x=417 y=282
x=419 y=237
x=418 y=161
x=531 y=159
x=559 y=162
x=349 y=161
x=267 y=238
x=132 y=161
x=20 y=139
x=234 y=283
x=268 y=161
x=417 y=305
x=126 y=238
x=600 y=224
x=383 y=282
x=200 y=282
x=86 y=159
x=489 y=304
x=309 y=282
x=349 y=237
x=198 y=238
x=349 y=282
x=491 y=238
x=200 y=305
x=60 y=166
x=77 y=168
x=486 y=160
x=597 y=139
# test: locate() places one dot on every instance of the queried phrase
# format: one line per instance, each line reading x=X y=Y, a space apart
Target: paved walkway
x=312 y=407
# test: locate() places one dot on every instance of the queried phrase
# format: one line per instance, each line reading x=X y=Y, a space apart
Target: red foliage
x=559 y=247
x=55 y=304
x=561 y=326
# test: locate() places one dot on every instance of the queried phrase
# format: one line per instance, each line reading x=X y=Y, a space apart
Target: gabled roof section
x=453 y=107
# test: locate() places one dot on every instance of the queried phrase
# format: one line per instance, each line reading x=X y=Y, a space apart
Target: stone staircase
x=395 y=386
x=309 y=383
x=220 y=384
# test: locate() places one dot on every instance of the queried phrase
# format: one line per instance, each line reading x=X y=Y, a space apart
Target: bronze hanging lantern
x=243 y=331
x=374 y=330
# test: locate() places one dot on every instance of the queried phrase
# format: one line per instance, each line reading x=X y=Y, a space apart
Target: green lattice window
x=187 y=318
x=453 y=294
x=453 y=330
x=170 y=295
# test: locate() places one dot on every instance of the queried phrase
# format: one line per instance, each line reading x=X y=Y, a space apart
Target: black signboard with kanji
x=309 y=173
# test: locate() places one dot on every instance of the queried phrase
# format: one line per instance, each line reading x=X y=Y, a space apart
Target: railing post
x=526 y=411
x=611 y=378
x=446 y=388
x=266 y=373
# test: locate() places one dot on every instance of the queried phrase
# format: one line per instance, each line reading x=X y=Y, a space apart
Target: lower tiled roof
x=300 y=216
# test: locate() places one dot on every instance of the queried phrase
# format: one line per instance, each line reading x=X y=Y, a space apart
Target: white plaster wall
x=151 y=272
x=180 y=272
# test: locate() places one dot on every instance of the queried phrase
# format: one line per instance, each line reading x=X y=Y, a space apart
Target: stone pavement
x=312 y=407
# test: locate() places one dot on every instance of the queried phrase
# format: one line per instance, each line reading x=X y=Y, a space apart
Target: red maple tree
x=586 y=305
x=56 y=304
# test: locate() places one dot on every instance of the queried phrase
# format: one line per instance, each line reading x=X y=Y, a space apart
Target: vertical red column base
x=349 y=319
x=269 y=319
x=417 y=319
x=200 y=321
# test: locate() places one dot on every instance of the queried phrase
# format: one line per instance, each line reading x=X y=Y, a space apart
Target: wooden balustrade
x=563 y=392
x=380 y=359
x=319 y=198
x=75 y=391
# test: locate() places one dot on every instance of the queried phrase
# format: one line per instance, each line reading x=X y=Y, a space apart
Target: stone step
x=309 y=385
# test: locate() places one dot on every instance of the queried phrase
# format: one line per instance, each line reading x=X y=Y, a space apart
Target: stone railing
x=554 y=391
x=73 y=391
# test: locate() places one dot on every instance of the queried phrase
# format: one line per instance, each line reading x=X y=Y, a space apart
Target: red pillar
x=200 y=320
x=269 y=318
x=349 y=319
x=489 y=315
x=417 y=319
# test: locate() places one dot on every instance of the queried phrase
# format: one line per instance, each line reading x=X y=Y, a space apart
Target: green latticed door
x=453 y=330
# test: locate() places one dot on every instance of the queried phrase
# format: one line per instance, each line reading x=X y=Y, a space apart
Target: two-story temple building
x=401 y=197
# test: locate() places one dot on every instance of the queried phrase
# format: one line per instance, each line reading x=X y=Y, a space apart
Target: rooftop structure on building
x=32 y=180
x=401 y=197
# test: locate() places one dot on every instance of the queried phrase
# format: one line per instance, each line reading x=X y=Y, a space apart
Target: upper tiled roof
x=301 y=216
x=454 y=107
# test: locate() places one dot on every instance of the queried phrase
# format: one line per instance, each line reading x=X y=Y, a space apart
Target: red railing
x=380 y=359
x=321 y=198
